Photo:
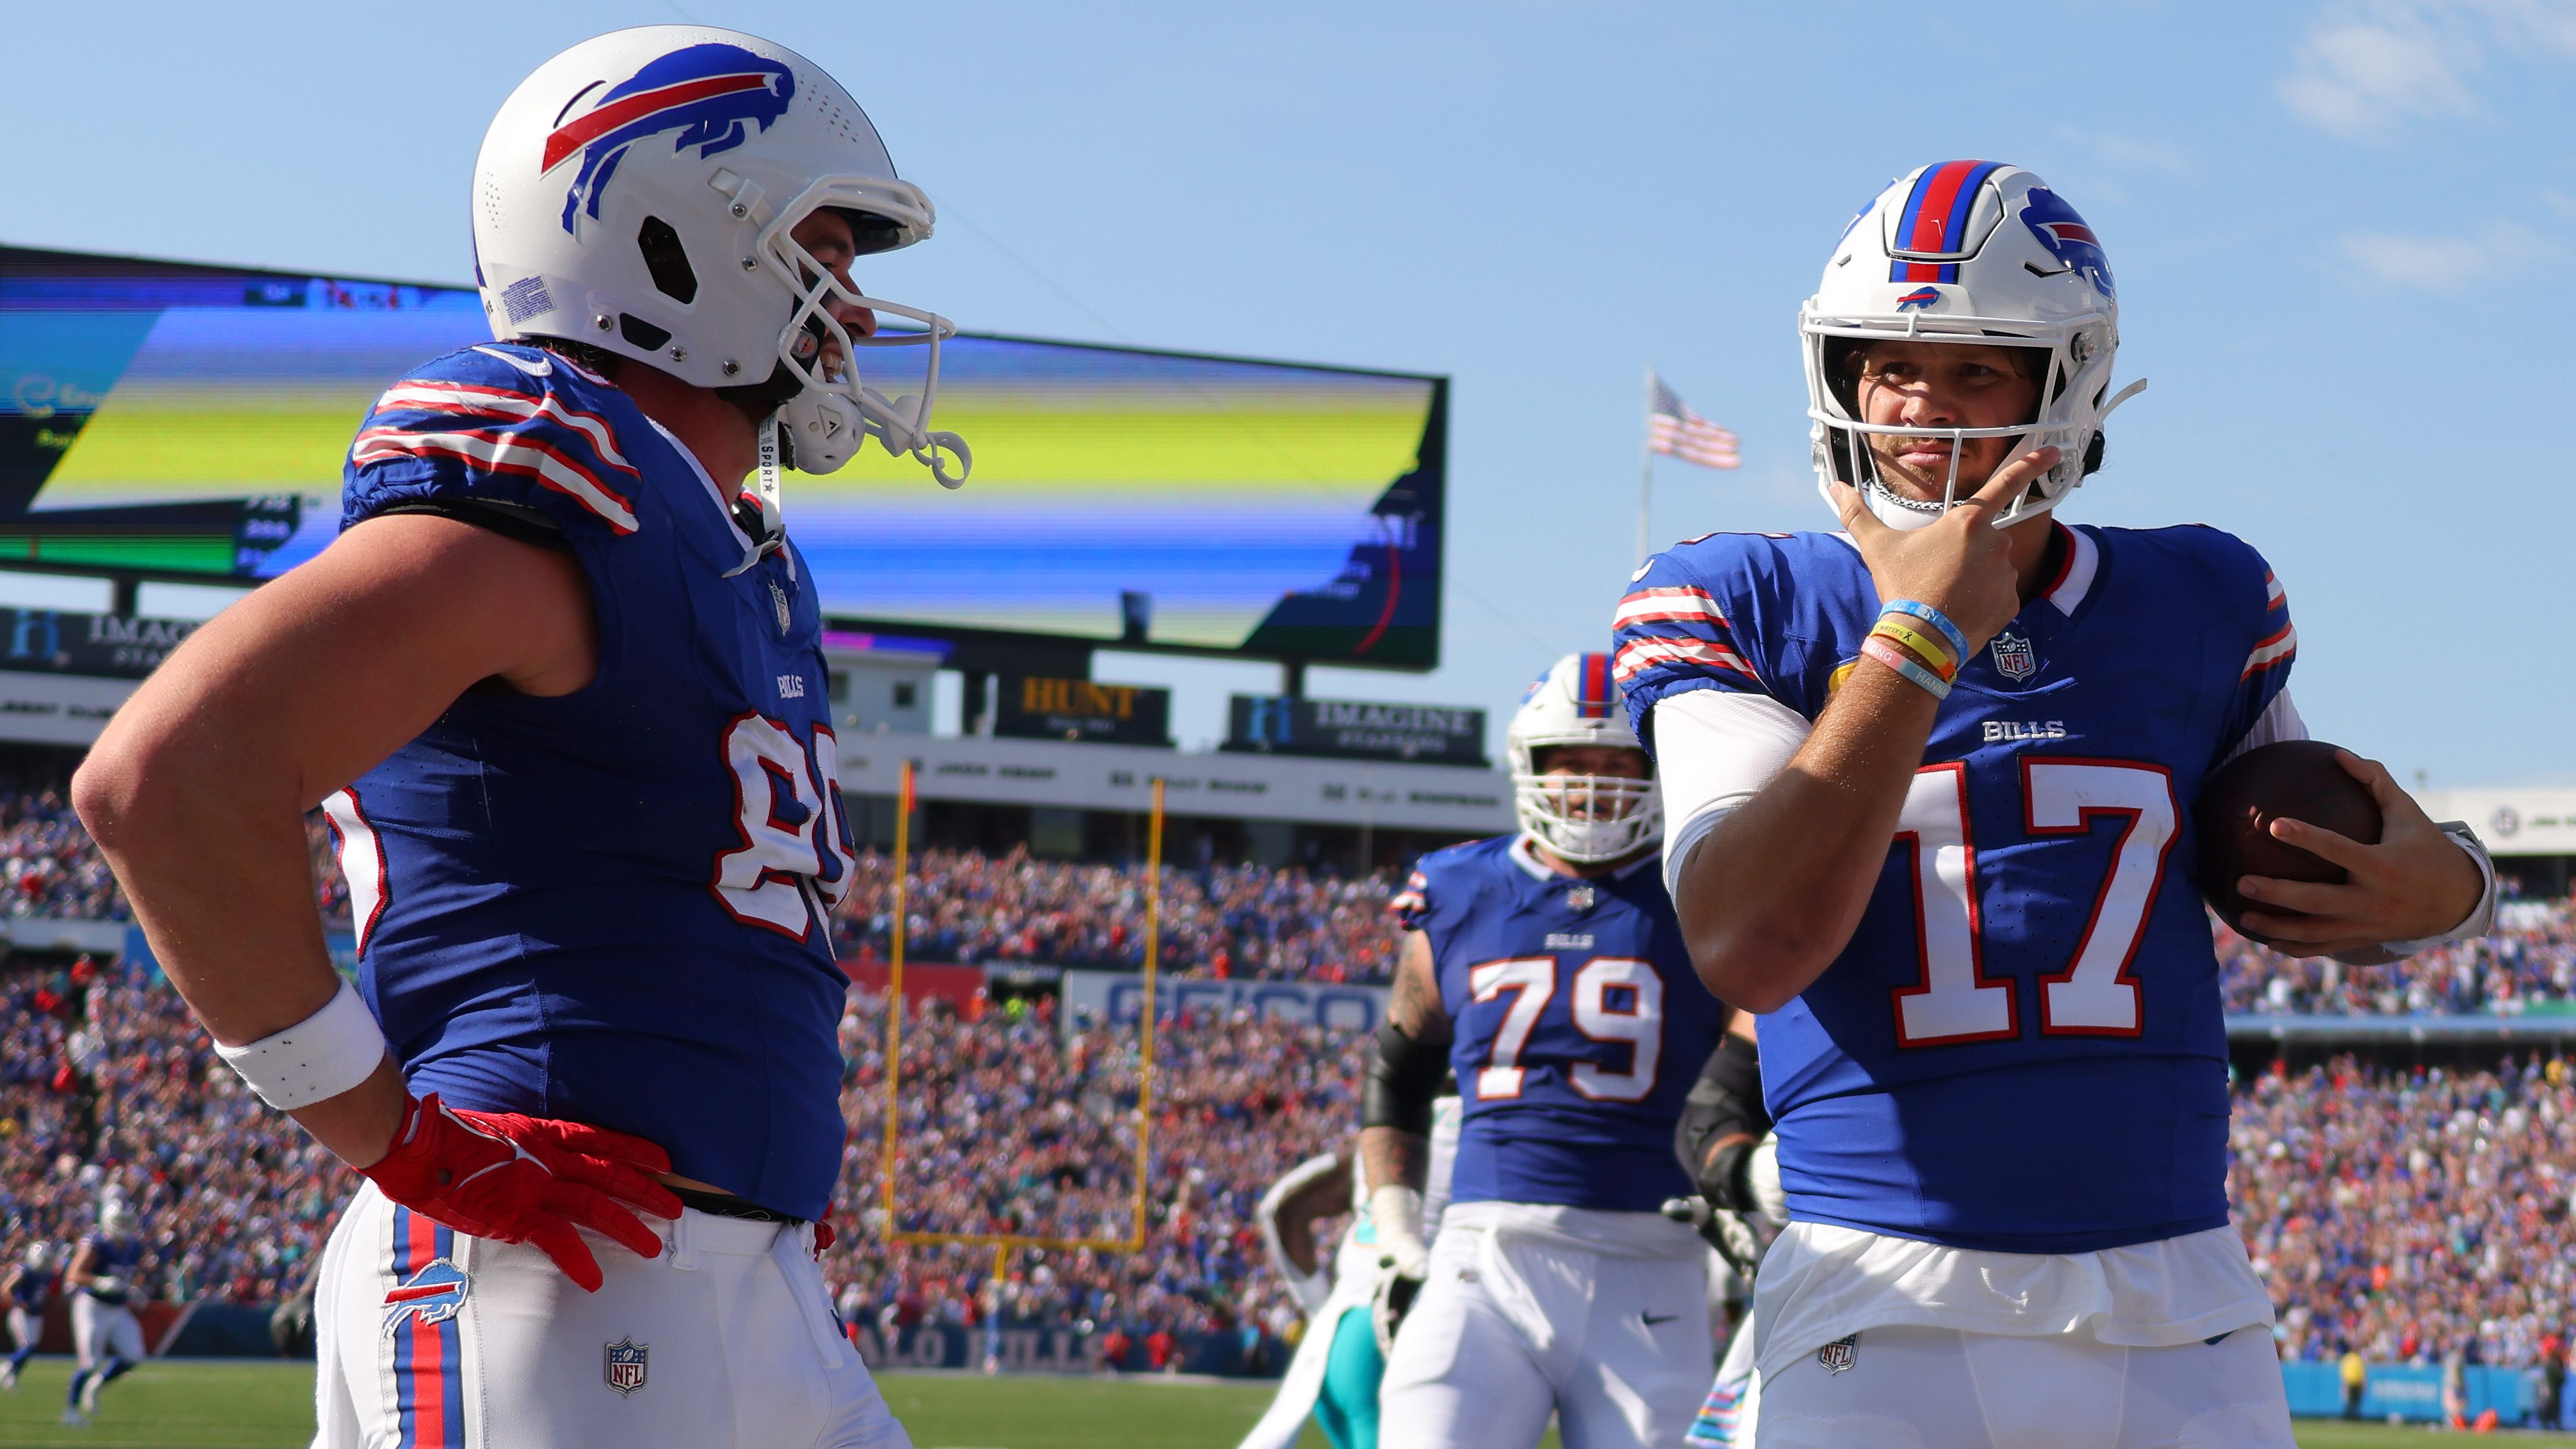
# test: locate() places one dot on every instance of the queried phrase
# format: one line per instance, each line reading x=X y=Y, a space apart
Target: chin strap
x=756 y=510
x=895 y=423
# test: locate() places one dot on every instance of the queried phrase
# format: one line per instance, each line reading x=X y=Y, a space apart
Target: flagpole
x=1646 y=471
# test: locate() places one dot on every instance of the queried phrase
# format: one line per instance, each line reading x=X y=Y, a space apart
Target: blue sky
x=2328 y=223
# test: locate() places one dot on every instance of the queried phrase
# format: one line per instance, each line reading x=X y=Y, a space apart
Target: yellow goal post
x=1003 y=1244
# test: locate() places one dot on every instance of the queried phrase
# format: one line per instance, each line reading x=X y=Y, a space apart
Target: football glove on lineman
x=1403 y=1262
x=518 y=1179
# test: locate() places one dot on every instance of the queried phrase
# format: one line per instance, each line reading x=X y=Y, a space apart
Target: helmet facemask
x=836 y=409
x=1587 y=819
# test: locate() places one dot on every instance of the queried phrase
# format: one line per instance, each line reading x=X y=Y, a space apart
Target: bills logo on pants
x=420 y=1317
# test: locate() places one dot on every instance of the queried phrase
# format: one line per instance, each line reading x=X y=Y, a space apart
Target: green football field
x=234 y=1405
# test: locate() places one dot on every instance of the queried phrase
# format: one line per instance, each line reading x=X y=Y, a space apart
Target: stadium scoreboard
x=175 y=419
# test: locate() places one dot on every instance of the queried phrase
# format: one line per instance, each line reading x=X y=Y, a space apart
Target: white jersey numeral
x=787 y=818
x=362 y=859
x=1640 y=1024
x=1534 y=978
x=1955 y=1002
x=2096 y=995
x=1638 y=1021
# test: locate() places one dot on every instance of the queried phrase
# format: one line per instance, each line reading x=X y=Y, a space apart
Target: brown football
x=2294 y=780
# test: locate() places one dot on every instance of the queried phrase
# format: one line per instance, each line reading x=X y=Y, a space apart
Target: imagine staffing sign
x=1279 y=724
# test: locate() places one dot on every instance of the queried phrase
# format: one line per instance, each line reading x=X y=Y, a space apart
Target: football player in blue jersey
x=1929 y=782
x=1545 y=968
x=558 y=686
x=106 y=1337
x=27 y=1289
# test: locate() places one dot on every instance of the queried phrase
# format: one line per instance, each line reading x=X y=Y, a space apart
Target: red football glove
x=518 y=1179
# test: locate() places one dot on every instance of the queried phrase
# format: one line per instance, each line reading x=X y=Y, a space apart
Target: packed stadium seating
x=1242 y=921
x=2412 y=1213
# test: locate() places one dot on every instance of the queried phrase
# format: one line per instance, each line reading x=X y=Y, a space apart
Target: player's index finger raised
x=2010 y=479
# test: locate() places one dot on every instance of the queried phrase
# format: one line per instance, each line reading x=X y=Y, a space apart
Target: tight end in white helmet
x=638 y=194
x=1585 y=818
x=1968 y=252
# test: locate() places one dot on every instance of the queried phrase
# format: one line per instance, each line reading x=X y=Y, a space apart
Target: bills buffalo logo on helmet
x=1917 y=299
x=435 y=1294
x=2067 y=237
x=705 y=92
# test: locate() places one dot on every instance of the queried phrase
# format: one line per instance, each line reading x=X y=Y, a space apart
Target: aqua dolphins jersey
x=610 y=907
x=2021 y=1049
x=1578 y=1025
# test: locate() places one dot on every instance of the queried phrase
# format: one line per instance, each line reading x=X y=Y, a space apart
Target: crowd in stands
x=108 y=1089
x=48 y=867
x=2412 y=1214
x=2529 y=962
x=1244 y=921
x=1001 y=1130
x=2409 y=1213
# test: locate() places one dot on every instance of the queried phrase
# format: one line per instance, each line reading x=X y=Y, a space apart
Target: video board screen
x=187 y=418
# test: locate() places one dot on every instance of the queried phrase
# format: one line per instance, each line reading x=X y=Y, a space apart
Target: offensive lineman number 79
x=2094 y=995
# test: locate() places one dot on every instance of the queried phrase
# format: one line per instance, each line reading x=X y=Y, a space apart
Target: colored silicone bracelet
x=1894 y=658
x=1933 y=617
x=1942 y=661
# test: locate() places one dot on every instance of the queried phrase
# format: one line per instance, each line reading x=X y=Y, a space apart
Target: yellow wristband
x=1932 y=650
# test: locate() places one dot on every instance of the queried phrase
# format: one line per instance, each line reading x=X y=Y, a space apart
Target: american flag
x=1671 y=427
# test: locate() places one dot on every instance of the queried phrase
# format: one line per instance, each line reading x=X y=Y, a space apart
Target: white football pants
x=24 y=1330
x=101 y=1330
x=1507 y=1328
x=430 y=1339
x=1938 y=1388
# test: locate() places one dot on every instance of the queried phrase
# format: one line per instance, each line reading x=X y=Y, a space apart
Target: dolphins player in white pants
x=1340 y=1362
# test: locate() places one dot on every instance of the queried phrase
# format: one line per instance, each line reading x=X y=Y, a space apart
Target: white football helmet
x=114 y=1216
x=1971 y=252
x=637 y=193
x=1584 y=818
x=39 y=1257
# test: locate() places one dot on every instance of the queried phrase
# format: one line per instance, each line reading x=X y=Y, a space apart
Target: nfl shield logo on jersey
x=2014 y=658
x=1581 y=897
x=1838 y=1355
x=626 y=1362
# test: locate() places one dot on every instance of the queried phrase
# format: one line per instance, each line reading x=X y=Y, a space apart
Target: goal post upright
x=1004 y=1244
x=894 y=986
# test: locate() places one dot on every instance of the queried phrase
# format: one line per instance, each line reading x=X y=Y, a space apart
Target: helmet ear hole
x=2093 y=454
x=667 y=260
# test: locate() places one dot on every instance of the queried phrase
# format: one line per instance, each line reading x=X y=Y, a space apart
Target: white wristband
x=318 y=1058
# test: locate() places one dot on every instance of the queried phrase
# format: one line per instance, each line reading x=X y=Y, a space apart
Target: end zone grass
x=216 y=1404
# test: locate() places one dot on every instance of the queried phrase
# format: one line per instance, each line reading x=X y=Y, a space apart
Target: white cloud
x=2444 y=264
x=2366 y=68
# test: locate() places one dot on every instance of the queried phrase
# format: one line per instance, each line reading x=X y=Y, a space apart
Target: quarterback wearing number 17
x=558 y=686
x=1928 y=784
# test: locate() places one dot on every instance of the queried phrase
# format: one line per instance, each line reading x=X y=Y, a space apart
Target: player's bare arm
x=1323 y=1196
x=2415 y=884
x=1769 y=898
x=1393 y=1156
x=197 y=790
x=84 y=1267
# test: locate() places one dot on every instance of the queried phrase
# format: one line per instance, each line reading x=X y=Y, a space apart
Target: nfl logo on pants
x=626 y=1360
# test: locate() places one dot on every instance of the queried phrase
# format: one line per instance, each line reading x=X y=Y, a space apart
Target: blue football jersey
x=114 y=1255
x=1578 y=1024
x=610 y=907
x=32 y=1291
x=2021 y=1049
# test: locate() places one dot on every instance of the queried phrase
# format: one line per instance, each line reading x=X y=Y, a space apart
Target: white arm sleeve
x=1713 y=750
x=2281 y=721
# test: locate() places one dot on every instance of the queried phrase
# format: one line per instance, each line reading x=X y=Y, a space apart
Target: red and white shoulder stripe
x=1639 y=655
x=1660 y=606
x=495 y=451
x=465 y=399
x=2279 y=647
